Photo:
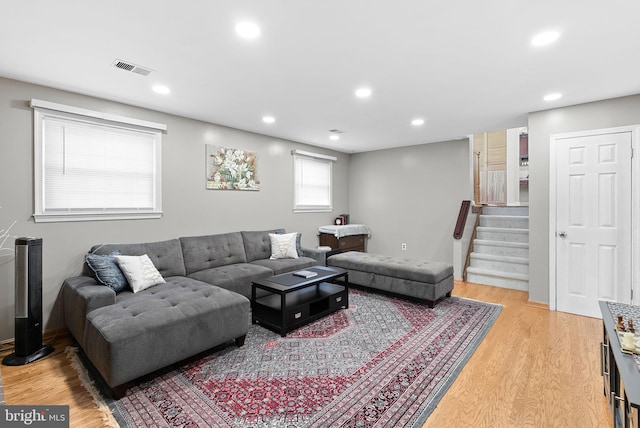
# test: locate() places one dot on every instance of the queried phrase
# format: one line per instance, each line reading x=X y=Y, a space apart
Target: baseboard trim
x=7 y=345
x=538 y=305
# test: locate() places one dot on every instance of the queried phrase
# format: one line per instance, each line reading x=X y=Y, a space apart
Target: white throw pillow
x=140 y=272
x=283 y=246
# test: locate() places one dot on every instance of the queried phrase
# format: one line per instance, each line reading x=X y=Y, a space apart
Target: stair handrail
x=467 y=262
x=458 y=231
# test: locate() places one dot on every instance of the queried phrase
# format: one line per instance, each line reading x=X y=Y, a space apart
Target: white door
x=593 y=221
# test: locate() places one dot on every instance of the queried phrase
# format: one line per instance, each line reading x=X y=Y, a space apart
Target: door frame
x=635 y=206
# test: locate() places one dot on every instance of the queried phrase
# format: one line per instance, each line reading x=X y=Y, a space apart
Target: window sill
x=65 y=217
x=312 y=210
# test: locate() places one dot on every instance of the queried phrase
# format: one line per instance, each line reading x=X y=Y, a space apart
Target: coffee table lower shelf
x=301 y=306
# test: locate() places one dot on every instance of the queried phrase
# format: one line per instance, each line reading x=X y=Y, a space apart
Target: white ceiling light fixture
x=161 y=89
x=552 y=97
x=268 y=119
x=417 y=122
x=247 y=30
x=363 y=92
x=546 y=38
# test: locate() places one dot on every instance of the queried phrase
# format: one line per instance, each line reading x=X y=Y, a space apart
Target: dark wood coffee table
x=292 y=301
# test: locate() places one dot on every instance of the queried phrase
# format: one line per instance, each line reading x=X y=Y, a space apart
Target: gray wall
x=596 y=115
x=411 y=195
x=188 y=208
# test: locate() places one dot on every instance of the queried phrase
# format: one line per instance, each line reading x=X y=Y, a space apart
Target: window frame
x=45 y=109
x=300 y=208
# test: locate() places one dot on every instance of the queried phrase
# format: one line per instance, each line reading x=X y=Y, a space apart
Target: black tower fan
x=28 y=308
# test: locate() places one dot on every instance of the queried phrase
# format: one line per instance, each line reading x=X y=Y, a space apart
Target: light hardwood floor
x=535 y=368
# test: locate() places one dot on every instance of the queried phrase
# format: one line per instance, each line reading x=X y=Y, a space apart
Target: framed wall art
x=231 y=169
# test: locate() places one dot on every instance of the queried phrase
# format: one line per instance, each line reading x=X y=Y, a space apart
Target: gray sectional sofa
x=203 y=303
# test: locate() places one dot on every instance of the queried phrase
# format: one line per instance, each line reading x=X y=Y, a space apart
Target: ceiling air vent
x=123 y=65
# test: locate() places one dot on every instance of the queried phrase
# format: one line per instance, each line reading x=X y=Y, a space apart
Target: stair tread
x=500 y=258
x=501 y=229
x=501 y=243
x=502 y=274
x=504 y=216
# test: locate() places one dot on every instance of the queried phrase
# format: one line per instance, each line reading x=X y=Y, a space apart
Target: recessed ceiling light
x=417 y=122
x=268 y=119
x=161 y=89
x=545 y=38
x=334 y=134
x=552 y=97
x=363 y=92
x=247 y=30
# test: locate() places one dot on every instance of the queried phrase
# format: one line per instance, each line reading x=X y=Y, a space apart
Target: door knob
x=562 y=234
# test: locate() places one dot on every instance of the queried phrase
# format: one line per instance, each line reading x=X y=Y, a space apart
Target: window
x=312 y=182
x=95 y=166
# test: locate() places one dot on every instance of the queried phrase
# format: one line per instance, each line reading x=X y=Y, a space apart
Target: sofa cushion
x=210 y=251
x=257 y=244
x=165 y=255
x=235 y=277
x=107 y=271
x=279 y=266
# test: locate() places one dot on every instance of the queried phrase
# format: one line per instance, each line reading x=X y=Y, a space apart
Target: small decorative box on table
x=293 y=299
x=348 y=237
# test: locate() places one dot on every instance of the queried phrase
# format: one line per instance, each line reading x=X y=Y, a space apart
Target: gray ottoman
x=162 y=325
x=422 y=280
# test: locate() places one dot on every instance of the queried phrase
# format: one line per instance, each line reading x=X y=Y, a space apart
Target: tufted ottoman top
x=414 y=270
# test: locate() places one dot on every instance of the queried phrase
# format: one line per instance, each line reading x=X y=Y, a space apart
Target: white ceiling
x=464 y=66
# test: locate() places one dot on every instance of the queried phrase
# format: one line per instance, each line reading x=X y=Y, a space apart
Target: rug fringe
x=105 y=412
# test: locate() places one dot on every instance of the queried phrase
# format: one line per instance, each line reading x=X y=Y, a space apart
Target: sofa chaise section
x=145 y=332
x=127 y=335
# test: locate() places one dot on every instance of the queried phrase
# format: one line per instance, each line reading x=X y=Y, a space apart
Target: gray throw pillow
x=107 y=271
x=299 y=245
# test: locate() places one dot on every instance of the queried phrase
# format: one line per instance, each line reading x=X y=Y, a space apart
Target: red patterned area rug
x=383 y=362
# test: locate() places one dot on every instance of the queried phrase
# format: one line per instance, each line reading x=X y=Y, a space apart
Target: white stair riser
x=500 y=250
x=503 y=235
x=514 y=284
x=502 y=266
x=523 y=211
x=504 y=221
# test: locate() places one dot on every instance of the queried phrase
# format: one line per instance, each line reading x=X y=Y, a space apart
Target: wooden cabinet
x=620 y=375
x=345 y=243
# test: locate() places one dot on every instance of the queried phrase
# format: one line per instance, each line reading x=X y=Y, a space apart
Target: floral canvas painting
x=231 y=169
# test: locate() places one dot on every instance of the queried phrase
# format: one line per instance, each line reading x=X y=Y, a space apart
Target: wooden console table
x=349 y=237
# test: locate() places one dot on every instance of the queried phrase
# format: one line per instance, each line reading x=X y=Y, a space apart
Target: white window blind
x=93 y=169
x=312 y=182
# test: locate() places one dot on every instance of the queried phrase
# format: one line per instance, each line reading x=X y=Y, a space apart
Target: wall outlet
x=404 y=246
